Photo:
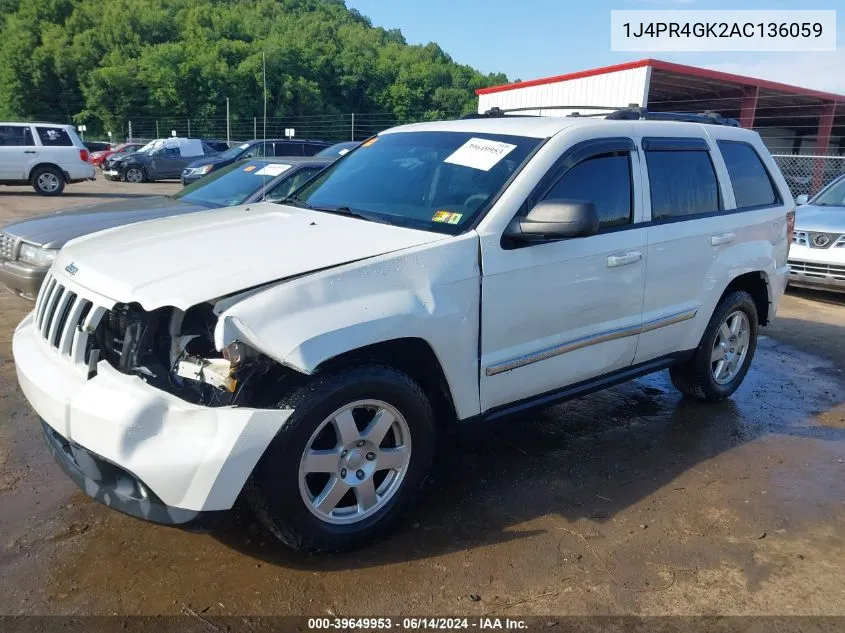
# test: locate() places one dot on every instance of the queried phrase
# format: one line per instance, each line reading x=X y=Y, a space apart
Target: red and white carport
x=791 y=119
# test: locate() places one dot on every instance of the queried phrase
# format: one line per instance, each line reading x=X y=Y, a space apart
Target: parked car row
x=29 y=247
x=300 y=346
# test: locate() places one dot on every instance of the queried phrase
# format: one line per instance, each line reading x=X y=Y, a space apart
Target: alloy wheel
x=355 y=462
x=730 y=347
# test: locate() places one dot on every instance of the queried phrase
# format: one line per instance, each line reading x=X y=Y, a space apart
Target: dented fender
x=430 y=292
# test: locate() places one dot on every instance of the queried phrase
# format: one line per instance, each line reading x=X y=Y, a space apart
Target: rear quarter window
x=54 y=137
x=752 y=185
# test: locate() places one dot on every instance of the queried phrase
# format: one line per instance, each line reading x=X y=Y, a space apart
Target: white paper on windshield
x=190 y=147
x=244 y=146
x=343 y=152
x=274 y=169
x=480 y=153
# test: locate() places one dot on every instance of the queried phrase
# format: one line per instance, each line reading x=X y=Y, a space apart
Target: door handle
x=623 y=259
x=29 y=151
x=722 y=238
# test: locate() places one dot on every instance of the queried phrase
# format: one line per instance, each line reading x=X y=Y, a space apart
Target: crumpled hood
x=184 y=260
x=820 y=219
x=54 y=230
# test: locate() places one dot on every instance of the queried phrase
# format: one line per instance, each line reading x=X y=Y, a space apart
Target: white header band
x=693 y=30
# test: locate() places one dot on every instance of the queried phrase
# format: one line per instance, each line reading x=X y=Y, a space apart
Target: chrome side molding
x=586 y=341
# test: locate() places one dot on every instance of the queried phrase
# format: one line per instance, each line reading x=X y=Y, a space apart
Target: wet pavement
x=627 y=501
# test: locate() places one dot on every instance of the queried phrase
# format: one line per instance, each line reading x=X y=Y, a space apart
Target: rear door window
x=16 y=136
x=54 y=136
x=682 y=182
x=750 y=180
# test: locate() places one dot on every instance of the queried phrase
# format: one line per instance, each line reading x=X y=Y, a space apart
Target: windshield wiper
x=294 y=202
x=343 y=211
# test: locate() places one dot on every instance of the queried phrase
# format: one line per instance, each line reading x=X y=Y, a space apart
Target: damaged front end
x=174 y=350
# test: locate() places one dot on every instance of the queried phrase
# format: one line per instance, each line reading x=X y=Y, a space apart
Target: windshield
x=234 y=152
x=833 y=196
x=232 y=185
x=437 y=181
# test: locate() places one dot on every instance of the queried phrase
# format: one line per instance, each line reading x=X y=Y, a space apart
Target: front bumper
x=115 y=487
x=818 y=269
x=187 y=180
x=22 y=279
x=139 y=449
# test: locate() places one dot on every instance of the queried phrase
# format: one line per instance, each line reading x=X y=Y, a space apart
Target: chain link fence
x=329 y=127
x=807 y=174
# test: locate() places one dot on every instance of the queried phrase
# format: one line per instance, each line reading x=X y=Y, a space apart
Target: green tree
x=103 y=63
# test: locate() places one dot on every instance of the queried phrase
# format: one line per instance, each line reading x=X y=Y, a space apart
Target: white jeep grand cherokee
x=304 y=354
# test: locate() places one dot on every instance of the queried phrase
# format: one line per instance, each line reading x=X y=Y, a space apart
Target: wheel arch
x=756 y=284
x=38 y=166
x=140 y=166
x=411 y=355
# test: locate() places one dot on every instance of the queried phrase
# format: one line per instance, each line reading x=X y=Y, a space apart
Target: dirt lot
x=628 y=501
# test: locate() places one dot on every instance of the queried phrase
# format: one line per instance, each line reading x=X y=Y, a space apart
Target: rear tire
x=48 y=181
x=724 y=355
x=319 y=486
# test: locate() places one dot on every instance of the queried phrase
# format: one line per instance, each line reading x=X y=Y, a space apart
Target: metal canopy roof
x=678 y=87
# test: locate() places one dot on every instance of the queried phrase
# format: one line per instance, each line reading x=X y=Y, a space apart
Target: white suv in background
x=304 y=354
x=45 y=155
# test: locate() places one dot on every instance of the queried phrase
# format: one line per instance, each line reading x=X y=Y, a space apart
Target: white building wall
x=616 y=89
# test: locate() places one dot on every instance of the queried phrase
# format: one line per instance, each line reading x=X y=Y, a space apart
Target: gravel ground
x=630 y=501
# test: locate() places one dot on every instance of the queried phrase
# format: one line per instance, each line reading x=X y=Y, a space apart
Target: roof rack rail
x=632 y=112
x=495 y=112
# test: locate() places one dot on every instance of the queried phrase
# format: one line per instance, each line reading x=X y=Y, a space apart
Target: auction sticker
x=479 y=153
x=273 y=169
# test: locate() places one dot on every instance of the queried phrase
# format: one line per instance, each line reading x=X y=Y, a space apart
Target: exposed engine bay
x=174 y=351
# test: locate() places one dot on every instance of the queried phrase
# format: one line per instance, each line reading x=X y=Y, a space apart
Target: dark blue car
x=251 y=149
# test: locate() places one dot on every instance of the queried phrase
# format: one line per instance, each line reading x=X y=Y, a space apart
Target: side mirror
x=555 y=220
x=802 y=199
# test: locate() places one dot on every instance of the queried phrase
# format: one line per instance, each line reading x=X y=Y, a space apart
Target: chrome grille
x=813 y=239
x=8 y=246
x=66 y=321
x=811 y=269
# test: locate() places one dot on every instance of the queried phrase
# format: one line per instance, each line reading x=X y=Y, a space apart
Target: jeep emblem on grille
x=70 y=269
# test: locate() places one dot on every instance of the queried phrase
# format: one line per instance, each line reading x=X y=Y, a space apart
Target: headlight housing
x=37 y=256
x=202 y=171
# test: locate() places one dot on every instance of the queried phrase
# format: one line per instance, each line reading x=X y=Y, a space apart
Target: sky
x=528 y=39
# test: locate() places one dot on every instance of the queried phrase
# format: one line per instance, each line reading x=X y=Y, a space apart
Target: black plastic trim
x=675 y=144
x=585 y=387
x=110 y=484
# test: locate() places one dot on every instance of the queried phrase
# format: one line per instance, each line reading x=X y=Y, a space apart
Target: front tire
x=724 y=355
x=135 y=175
x=48 y=181
x=347 y=463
